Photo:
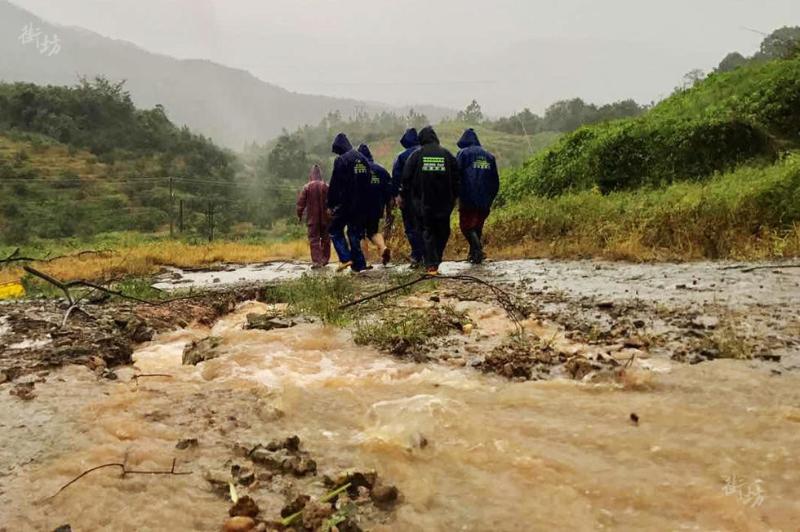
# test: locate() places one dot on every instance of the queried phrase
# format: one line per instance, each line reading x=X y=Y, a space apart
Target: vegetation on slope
x=750 y=213
x=724 y=121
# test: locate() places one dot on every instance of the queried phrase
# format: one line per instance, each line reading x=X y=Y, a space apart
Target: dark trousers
x=435 y=234
x=414 y=236
x=348 y=247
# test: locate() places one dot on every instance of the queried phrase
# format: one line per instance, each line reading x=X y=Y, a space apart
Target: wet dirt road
x=716 y=447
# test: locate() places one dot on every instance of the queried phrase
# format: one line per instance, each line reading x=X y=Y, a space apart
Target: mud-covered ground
x=526 y=321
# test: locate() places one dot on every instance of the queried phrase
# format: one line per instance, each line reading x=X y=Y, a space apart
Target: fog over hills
x=229 y=105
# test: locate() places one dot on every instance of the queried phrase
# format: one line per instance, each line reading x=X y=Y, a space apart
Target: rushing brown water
x=717 y=446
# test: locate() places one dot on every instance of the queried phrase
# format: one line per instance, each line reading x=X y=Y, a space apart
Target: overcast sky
x=509 y=54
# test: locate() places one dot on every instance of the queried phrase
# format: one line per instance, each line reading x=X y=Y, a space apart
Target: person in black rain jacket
x=430 y=189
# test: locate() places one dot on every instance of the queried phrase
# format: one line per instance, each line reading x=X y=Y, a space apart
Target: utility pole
x=171 y=210
x=180 y=217
x=210 y=221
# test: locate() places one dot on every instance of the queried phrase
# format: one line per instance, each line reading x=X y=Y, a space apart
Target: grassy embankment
x=132 y=254
x=712 y=172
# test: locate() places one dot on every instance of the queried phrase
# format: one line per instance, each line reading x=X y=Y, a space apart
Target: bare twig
x=88 y=284
x=16 y=257
x=125 y=471
x=385 y=292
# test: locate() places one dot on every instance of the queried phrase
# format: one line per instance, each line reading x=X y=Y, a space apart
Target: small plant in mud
x=140 y=287
x=726 y=343
x=522 y=356
x=407 y=331
x=319 y=296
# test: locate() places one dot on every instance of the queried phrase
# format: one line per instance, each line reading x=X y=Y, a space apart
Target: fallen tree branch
x=125 y=471
x=52 y=280
x=16 y=257
x=386 y=292
x=88 y=284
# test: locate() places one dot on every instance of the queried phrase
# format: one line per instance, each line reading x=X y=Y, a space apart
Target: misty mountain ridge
x=230 y=105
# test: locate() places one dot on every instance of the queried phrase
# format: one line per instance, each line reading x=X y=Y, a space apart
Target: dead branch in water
x=125 y=471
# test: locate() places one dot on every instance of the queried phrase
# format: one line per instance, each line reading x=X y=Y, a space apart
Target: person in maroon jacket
x=312 y=202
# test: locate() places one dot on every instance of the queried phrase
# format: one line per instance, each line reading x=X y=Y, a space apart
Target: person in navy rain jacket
x=409 y=141
x=347 y=195
x=480 y=184
x=378 y=201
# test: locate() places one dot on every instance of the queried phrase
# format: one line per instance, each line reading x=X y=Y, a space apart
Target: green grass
x=511 y=150
x=752 y=212
x=407 y=330
x=317 y=295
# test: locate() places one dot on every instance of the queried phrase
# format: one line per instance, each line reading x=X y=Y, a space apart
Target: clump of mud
x=349 y=499
x=520 y=358
x=101 y=334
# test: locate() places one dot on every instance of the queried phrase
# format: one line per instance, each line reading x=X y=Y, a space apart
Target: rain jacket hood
x=410 y=139
x=469 y=139
x=315 y=174
x=341 y=144
x=364 y=150
x=428 y=136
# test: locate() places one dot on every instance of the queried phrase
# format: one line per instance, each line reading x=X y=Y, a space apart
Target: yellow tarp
x=11 y=290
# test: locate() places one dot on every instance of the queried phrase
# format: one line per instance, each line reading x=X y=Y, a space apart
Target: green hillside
x=511 y=149
x=82 y=160
x=711 y=172
x=726 y=120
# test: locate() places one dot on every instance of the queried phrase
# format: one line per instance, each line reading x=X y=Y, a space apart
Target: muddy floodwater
x=712 y=446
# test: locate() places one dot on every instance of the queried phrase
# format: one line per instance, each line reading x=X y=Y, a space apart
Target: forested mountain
x=231 y=106
x=81 y=160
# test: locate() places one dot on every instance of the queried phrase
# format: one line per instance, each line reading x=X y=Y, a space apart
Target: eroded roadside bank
x=525 y=440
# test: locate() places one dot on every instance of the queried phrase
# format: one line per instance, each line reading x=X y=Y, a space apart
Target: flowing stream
x=717 y=446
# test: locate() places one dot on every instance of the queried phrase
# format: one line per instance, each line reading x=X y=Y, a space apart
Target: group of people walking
x=426 y=183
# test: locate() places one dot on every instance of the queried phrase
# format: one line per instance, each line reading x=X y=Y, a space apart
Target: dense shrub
x=728 y=119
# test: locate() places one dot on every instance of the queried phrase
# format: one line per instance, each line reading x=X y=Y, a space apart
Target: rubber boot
x=476 y=255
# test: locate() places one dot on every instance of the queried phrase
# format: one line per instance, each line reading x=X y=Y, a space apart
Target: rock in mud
x=267 y=322
x=385 y=497
x=284 y=457
x=315 y=515
x=239 y=524
x=579 y=367
x=244 y=476
x=186 y=444
x=634 y=342
x=24 y=391
x=244 y=507
x=202 y=351
x=297 y=505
